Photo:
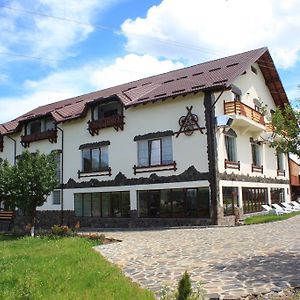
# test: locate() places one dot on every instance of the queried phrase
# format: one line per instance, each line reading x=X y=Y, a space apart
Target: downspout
x=62 y=175
x=209 y=105
x=15 y=148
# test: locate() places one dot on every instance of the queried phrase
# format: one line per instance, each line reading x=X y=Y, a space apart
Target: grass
x=269 y=218
x=62 y=268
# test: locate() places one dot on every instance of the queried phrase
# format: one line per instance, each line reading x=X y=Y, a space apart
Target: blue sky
x=51 y=49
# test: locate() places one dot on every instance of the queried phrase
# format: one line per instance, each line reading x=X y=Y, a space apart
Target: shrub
x=95 y=237
x=184 y=287
x=184 y=290
x=60 y=230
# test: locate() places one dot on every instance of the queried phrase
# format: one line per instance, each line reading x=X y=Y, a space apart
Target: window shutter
x=167 y=150
x=143 y=153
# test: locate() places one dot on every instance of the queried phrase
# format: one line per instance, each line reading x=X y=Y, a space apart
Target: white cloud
x=24 y=31
x=131 y=67
x=70 y=83
x=194 y=30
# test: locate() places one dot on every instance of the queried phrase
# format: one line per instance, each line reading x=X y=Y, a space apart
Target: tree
x=34 y=178
x=6 y=173
x=184 y=287
x=286 y=126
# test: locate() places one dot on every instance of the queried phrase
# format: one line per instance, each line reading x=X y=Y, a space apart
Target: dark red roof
x=218 y=73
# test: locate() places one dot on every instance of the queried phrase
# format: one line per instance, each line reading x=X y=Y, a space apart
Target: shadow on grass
x=9 y=237
x=282 y=269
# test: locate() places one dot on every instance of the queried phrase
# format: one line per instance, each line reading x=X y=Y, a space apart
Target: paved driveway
x=229 y=261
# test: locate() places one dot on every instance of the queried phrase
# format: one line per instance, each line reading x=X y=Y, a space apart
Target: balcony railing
x=239 y=108
x=258 y=169
x=280 y=172
x=50 y=135
x=155 y=168
x=232 y=164
x=269 y=127
x=117 y=122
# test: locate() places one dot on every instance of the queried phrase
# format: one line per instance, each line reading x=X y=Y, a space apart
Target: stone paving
x=230 y=261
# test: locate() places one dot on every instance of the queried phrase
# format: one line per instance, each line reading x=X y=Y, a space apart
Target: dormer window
x=107 y=110
x=106 y=114
x=39 y=129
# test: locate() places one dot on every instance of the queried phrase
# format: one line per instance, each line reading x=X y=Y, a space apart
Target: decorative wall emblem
x=189 y=123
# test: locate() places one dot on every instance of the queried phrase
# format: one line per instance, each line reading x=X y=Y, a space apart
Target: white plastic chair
x=269 y=209
x=281 y=209
x=289 y=207
x=296 y=204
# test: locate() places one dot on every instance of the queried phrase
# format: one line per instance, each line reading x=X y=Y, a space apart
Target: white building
x=162 y=150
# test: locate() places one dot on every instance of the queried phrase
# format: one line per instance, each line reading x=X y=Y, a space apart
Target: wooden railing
x=269 y=127
x=258 y=169
x=117 y=122
x=6 y=215
x=232 y=164
x=50 y=135
x=280 y=172
x=239 y=108
x=155 y=168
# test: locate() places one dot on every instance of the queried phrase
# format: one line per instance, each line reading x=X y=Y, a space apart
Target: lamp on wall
x=223 y=121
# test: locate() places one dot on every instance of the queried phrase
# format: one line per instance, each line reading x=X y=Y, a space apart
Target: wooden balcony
x=269 y=127
x=280 y=172
x=50 y=135
x=258 y=169
x=232 y=164
x=239 y=108
x=116 y=121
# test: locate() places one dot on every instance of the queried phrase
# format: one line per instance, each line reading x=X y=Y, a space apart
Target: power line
x=115 y=30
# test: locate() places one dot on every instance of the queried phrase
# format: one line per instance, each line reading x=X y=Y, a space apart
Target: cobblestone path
x=230 y=261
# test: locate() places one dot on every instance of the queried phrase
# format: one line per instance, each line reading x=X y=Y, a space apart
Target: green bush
x=61 y=230
x=184 y=290
x=184 y=287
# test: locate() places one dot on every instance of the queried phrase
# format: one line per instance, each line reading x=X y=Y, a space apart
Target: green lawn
x=269 y=218
x=64 y=268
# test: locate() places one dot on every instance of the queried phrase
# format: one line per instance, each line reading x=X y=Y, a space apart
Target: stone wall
x=46 y=219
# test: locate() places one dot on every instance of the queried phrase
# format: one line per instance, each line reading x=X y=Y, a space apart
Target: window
x=40 y=126
x=230 y=143
x=49 y=125
x=95 y=160
x=155 y=152
x=174 y=203
x=113 y=205
x=253 y=198
x=236 y=97
x=58 y=167
x=230 y=200
x=56 y=197
x=35 y=126
x=255 y=150
x=277 y=195
x=107 y=110
x=280 y=161
x=254 y=70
